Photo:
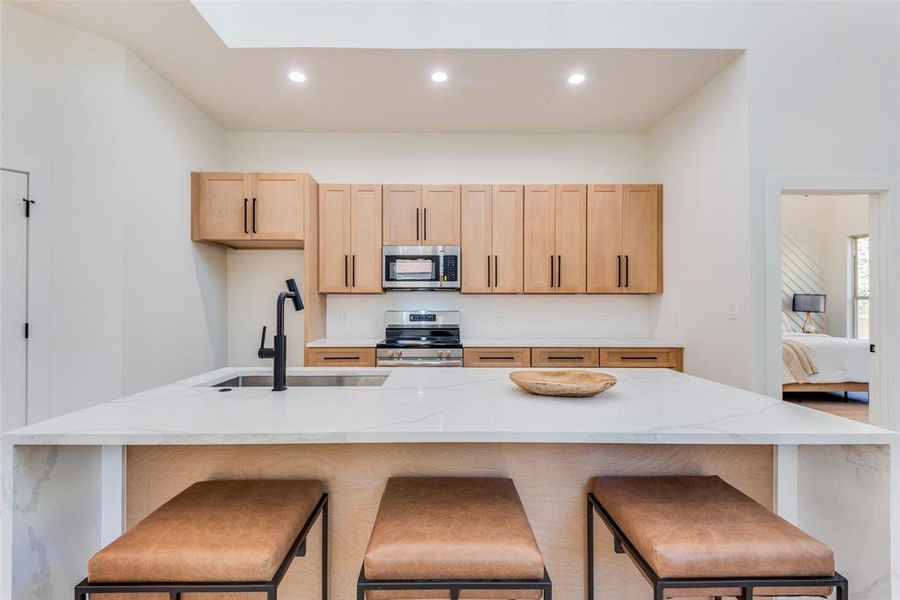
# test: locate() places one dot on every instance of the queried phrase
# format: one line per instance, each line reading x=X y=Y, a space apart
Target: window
x=860 y=304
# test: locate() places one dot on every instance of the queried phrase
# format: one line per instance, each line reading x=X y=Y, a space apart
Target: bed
x=843 y=364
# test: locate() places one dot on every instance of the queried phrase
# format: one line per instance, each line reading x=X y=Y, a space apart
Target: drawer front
x=340 y=357
x=497 y=357
x=665 y=358
x=565 y=357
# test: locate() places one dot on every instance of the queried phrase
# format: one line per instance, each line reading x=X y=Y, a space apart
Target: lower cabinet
x=663 y=358
x=496 y=357
x=565 y=357
x=340 y=357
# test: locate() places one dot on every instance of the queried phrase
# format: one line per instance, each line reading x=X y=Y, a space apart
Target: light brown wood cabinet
x=421 y=215
x=350 y=238
x=565 y=357
x=555 y=239
x=250 y=210
x=340 y=357
x=492 y=238
x=624 y=239
x=496 y=357
x=667 y=358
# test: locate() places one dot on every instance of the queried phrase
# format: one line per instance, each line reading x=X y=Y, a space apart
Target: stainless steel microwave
x=421 y=268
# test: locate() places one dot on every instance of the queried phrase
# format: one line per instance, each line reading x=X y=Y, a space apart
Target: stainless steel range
x=420 y=338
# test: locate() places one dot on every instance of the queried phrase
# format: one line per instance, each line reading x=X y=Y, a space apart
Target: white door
x=13 y=299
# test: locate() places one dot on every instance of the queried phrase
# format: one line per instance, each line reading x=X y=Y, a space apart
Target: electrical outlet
x=498 y=317
x=602 y=318
x=343 y=318
x=733 y=310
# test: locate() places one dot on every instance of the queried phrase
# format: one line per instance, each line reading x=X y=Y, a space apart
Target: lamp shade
x=809 y=303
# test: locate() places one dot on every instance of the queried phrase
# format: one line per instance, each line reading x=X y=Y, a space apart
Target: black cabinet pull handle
x=254 y=215
x=354 y=270
x=559 y=271
x=345 y=271
x=245 y=216
x=496 y=272
x=639 y=358
x=619 y=271
x=425 y=224
x=489 y=270
x=496 y=358
x=340 y=357
x=552 y=276
x=565 y=358
x=417 y=224
x=626 y=270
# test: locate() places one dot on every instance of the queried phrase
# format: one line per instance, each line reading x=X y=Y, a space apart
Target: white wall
x=132 y=301
x=449 y=158
x=700 y=154
x=822 y=227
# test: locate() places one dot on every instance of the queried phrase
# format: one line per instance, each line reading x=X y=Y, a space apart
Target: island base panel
x=552 y=480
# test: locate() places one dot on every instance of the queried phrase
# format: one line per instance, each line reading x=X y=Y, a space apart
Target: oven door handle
x=401 y=362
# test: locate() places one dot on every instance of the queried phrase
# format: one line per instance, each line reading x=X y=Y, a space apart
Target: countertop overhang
x=420 y=405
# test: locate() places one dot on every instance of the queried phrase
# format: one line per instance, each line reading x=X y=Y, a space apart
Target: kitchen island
x=72 y=483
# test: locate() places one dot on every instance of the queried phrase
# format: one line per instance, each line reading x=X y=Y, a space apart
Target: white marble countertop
x=647 y=406
x=513 y=343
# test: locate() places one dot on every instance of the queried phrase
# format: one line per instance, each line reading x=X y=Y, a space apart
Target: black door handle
x=496 y=272
x=559 y=270
x=619 y=271
x=254 y=215
x=345 y=271
x=552 y=276
x=354 y=270
x=245 y=216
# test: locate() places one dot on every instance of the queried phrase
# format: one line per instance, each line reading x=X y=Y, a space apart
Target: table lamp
x=809 y=303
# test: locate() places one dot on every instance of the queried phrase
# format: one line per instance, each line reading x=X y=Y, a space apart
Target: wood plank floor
x=857 y=408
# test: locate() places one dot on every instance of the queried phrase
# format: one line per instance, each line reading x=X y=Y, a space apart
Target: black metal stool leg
x=658 y=592
x=748 y=593
x=325 y=550
x=843 y=591
x=454 y=594
x=590 y=551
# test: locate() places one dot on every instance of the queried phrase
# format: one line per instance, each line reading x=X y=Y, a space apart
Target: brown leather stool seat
x=698 y=527
x=452 y=529
x=213 y=531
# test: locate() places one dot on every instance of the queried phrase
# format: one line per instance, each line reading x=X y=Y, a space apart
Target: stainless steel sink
x=305 y=381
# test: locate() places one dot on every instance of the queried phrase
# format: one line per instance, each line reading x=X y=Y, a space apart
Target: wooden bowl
x=568 y=384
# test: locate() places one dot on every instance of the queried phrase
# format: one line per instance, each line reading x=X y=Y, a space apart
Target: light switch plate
x=733 y=310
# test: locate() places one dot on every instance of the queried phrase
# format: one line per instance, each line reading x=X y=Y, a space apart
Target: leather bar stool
x=452 y=538
x=698 y=536
x=237 y=538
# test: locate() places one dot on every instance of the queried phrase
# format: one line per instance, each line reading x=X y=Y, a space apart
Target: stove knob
x=399 y=353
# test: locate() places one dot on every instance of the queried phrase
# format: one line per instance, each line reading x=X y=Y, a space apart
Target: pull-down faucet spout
x=279 y=351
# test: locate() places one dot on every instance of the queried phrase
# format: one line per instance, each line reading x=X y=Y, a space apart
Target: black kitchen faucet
x=279 y=352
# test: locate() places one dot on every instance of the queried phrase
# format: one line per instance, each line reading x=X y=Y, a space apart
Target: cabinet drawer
x=565 y=357
x=666 y=358
x=340 y=357
x=497 y=357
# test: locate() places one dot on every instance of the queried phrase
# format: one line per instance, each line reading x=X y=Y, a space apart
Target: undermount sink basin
x=304 y=381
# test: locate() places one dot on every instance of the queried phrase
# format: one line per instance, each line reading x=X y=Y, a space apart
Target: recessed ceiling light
x=296 y=76
x=439 y=77
x=576 y=78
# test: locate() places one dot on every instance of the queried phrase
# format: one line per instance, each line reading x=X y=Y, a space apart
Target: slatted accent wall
x=800 y=274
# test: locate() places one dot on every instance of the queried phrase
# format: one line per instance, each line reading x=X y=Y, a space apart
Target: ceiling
x=491 y=90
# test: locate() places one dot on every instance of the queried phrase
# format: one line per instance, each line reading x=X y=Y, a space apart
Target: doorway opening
x=827 y=358
x=14 y=210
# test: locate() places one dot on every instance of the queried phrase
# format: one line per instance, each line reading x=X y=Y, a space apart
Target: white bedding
x=838 y=359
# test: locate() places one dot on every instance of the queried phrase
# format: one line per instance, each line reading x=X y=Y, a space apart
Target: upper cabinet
x=492 y=238
x=421 y=215
x=624 y=239
x=250 y=210
x=555 y=239
x=350 y=238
